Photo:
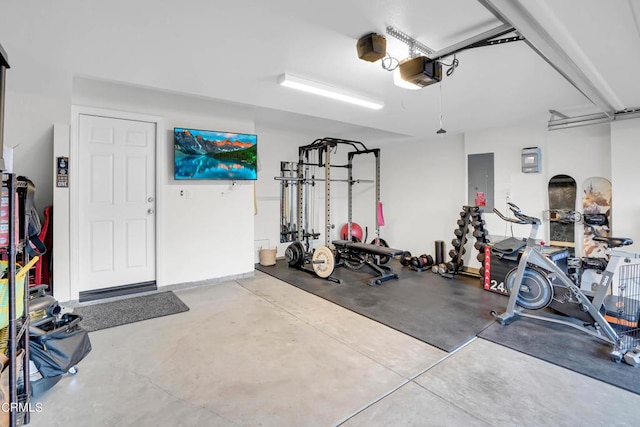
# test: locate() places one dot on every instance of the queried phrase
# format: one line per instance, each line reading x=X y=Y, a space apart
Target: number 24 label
x=498 y=287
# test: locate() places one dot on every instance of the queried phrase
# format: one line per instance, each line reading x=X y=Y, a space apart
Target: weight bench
x=383 y=273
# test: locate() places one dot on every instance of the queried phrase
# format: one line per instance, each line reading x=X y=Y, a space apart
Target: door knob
x=149 y=211
x=150 y=199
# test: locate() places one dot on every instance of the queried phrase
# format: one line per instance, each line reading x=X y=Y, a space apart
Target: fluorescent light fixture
x=322 y=89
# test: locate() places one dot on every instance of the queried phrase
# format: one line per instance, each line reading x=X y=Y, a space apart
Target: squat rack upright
x=323 y=148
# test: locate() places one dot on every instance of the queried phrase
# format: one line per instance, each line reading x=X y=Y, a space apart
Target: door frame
x=74 y=193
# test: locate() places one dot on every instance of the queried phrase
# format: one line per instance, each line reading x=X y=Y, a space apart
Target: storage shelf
x=18 y=327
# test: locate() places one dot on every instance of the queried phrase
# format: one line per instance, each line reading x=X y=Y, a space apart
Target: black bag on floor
x=59 y=345
x=43 y=384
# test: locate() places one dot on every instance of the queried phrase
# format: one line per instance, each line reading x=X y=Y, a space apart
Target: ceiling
x=494 y=86
x=235 y=51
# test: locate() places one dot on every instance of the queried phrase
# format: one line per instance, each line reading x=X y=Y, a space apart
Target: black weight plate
x=294 y=254
x=383 y=259
x=429 y=260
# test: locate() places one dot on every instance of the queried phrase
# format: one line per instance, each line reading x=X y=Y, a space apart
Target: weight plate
x=323 y=262
x=426 y=261
x=429 y=260
x=383 y=258
x=354 y=260
x=294 y=254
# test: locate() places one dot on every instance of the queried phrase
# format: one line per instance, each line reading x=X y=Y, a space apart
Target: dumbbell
x=405 y=258
x=422 y=261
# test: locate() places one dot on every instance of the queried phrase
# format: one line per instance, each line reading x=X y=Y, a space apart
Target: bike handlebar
x=520 y=218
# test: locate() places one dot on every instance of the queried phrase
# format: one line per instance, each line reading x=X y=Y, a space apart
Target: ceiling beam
x=466 y=44
x=515 y=14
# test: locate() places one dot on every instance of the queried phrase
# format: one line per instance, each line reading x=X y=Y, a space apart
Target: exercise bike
x=541 y=283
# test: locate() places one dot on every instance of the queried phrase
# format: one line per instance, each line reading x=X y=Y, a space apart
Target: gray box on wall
x=531 y=160
x=481 y=181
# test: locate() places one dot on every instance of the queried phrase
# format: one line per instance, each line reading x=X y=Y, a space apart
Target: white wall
x=625 y=178
x=274 y=145
x=528 y=191
x=581 y=152
x=205 y=228
x=423 y=188
x=61 y=224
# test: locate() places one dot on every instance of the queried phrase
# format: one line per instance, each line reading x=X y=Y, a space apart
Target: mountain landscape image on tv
x=205 y=154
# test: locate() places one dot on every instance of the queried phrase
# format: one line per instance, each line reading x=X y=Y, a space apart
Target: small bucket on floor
x=268 y=257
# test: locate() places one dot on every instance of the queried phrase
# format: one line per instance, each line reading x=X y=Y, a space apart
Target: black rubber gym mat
x=445 y=313
x=564 y=346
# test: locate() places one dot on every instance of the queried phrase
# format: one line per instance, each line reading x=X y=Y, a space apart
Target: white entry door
x=116 y=211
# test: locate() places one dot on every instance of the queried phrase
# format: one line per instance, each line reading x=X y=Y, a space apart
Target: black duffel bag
x=59 y=345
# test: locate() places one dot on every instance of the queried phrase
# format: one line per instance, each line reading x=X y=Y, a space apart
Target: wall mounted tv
x=210 y=155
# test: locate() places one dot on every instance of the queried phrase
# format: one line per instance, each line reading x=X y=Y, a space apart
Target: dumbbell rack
x=469 y=216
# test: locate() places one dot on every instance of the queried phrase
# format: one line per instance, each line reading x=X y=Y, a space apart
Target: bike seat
x=614 y=242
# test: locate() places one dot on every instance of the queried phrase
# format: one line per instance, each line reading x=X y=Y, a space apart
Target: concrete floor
x=257 y=351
